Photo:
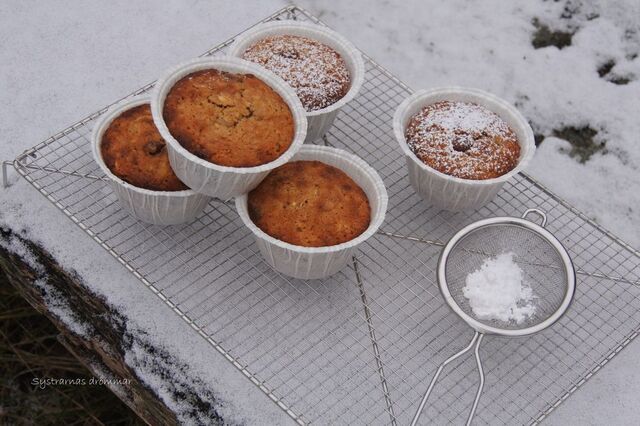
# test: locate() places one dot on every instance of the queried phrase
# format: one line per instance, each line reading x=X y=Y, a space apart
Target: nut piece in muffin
x=464 y=140
x=233 y=120
x=317 y=73
x=310 y=204
x=133 y=150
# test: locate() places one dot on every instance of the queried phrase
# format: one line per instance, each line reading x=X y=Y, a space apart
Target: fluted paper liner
x=156 y=207
x=213 y=179
x=449 y=192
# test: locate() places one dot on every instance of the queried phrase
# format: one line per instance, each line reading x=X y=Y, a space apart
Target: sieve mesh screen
x=542 y=266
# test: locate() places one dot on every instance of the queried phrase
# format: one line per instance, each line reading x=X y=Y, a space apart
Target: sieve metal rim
x=507 y=220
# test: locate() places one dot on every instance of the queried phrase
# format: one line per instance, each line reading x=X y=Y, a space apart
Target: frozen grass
x=29 y=349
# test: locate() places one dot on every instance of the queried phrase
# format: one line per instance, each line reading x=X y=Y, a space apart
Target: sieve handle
x=539 y=213
x=475 y=342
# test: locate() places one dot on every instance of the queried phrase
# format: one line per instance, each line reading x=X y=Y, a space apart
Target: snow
x=17 y=247
x=497 y=291
x=106 y=55
x=60 y=61
x=52 y=298
x=59 y=307
x=488 y=46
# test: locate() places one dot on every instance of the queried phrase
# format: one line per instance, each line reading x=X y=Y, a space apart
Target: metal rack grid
x=361 y=346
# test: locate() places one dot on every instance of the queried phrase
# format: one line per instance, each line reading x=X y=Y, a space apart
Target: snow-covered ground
x=60 y=61
x=488 y=44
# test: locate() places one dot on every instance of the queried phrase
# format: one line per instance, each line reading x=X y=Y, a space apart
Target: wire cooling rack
x=359 y=347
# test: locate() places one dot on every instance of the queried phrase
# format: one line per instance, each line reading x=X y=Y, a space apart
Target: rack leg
x=5 y=174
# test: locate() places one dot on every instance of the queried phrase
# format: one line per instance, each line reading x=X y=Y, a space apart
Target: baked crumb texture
x=317 y=73
x=464 y=140
x=133 y=150
x=233 y=120
x=311 y=204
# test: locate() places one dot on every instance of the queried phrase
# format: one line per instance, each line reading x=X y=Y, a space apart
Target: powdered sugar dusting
x=317 y=73
x=497 y=291
x=465 y=116
x=463 y=139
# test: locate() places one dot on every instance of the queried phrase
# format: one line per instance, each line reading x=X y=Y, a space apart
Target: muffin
x=133 y=150
x=317 y=73
x=233 y=120
x=463 y=139
x=309 y=204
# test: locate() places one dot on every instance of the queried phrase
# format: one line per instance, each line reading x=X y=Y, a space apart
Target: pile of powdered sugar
x=497 y=291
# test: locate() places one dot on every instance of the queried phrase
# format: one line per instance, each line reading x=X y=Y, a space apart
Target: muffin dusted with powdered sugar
x=317 y=73
x=464 y=140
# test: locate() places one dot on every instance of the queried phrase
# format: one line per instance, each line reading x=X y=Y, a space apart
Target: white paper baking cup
x=319 y=121
x=213 y=179
x=449 y=192
x=157 y=207
x=319 y=262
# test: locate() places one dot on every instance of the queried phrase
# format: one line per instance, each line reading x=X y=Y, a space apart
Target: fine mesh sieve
x=541 y=264
x=546 y=268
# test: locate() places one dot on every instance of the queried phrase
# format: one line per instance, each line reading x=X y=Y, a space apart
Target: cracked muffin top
x=310 y=204
x=233 y=120
x=317 y=73
x=133 y=150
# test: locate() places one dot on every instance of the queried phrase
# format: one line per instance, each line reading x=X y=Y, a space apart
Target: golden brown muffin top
x=464 y=140
x=133 y=150
x=317 y=73
x=311 y=204
x=233 y=120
